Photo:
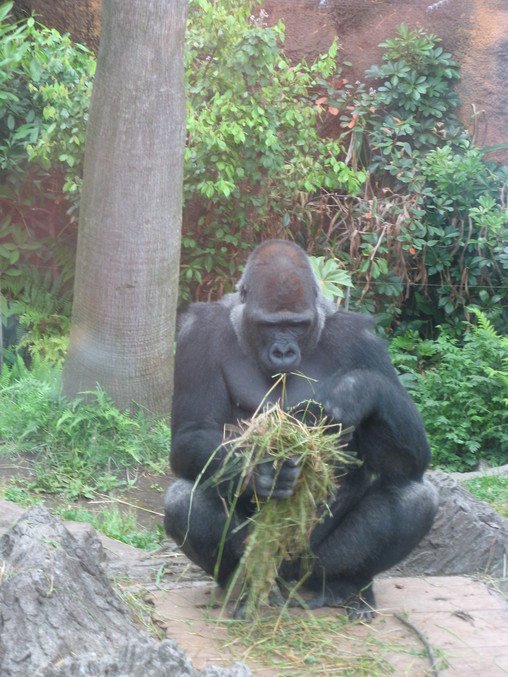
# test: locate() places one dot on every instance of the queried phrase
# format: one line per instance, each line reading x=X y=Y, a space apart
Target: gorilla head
x=281 y=312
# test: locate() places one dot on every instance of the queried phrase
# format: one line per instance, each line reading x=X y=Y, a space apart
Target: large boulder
x=60 y=616
x=468 y=536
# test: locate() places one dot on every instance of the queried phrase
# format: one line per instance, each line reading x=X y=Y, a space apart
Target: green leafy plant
x=413 y=104
x=332 y=278
x=254 y=153
x=461 y=389
x=428 y=236
x=45 y=88
x=460 y=230
x=77 y=447
x=37 y=318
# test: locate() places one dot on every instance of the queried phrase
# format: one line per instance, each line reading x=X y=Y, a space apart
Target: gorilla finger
x=263 y=485
x=359 y=610
x=287 y=477
x=279 y=494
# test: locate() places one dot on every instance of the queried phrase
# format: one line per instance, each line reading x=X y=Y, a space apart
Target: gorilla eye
x=297 y=325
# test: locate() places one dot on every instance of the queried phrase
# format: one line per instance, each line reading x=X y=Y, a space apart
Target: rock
x=60 y=616
x=144 y=657
x=468 y=536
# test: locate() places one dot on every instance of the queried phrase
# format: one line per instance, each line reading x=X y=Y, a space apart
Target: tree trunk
x=125 y=291
x=1 y=338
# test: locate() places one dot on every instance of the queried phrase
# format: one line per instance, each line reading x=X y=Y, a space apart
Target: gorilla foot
x=359 y=603
x=275 y=599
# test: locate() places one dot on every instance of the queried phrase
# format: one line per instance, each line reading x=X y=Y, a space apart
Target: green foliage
x=253 y=151
x=428 y=237
x=461 y=389
x=37 y=319
x=79 y=447
x=45 y=88
x=460 y=231
x=413 y=106
x=491 y=488
x=332 y=278
x=118 y=524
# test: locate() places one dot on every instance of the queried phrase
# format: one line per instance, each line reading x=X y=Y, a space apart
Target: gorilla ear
x=243 y=293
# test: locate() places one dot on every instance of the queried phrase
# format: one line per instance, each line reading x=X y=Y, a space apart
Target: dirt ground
x=463 y=620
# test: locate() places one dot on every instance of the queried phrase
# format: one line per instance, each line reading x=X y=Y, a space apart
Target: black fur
x=227 y=355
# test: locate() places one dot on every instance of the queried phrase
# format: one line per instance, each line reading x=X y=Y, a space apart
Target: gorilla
x=228 y=353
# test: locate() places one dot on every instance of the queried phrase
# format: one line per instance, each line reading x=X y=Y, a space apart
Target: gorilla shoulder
x=204 y=325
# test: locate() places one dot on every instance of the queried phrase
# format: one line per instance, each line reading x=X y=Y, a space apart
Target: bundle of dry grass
x=280 y=529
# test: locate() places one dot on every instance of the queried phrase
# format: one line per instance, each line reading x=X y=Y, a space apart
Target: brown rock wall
x=80 y=18
x=474 y=31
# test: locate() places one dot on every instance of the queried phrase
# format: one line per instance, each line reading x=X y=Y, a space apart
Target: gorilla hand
x=346 y=399
x=313 y=413
x=272 y=479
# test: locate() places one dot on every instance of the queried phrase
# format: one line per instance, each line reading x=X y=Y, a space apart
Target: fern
x=484 y=324
x=40 y=315
x=461 y=389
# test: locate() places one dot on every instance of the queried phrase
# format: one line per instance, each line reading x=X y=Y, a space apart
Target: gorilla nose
x=284 y=356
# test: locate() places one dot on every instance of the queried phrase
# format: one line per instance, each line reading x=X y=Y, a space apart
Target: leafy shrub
x=428 y=237
x=45 y=87
x=460 y=233
x=413 y=107
x=253 y=154
x=37 y=320
x=461 y=389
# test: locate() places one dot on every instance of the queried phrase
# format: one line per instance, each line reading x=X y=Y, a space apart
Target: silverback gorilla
x=227 y=355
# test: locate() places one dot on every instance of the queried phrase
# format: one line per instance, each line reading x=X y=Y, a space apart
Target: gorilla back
x=227 y=355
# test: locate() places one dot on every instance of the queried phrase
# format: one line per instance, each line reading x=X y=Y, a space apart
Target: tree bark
x=125 y=293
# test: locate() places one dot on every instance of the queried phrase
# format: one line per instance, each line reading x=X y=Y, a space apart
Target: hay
x=280 y=529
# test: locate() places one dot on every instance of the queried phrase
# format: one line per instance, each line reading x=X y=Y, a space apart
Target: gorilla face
x=277 y=341
x=280 y=319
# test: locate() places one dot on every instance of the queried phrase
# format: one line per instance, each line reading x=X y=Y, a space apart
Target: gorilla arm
x=389 y=433
x=364 y=392
x=203 y=403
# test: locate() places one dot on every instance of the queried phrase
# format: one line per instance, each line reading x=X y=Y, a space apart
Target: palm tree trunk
x=125 y=292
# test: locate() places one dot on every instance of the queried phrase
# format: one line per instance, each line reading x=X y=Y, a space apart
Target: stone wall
x=474 y=31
